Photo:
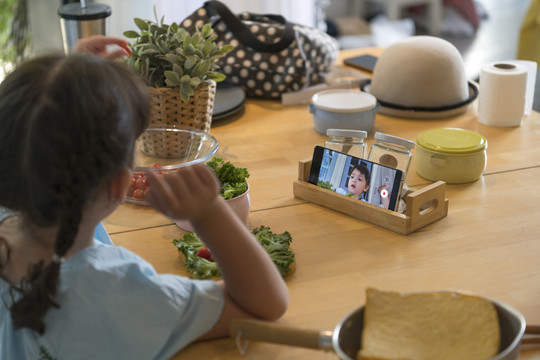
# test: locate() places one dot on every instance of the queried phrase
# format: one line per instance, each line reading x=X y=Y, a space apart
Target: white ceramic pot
x=455 y=156
x=343 y=109
x=241 y=206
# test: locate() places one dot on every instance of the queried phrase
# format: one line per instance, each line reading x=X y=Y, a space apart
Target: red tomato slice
x=204 y=253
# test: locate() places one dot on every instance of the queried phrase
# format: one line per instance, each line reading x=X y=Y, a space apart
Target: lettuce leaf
x=276 y=245
x=233 y=179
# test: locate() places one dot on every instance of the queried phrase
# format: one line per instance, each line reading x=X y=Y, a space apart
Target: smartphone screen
x=362 y=62
x=356 y=178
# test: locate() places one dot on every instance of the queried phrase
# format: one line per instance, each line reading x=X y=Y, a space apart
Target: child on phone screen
x=68 y=126
x=358 y=185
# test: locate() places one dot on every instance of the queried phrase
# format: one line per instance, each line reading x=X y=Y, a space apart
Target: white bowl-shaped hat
x=421 y=77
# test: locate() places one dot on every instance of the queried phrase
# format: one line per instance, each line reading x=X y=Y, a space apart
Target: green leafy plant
x=233 y=179
x=167 y=56
x=276 y=245
x=326 y=185
x=44 y=354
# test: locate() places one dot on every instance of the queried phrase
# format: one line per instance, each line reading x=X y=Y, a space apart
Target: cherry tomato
x=204 y=253
x=141 y=183
x=138 y=194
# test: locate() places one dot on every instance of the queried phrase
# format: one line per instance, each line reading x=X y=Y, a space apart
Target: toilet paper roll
x=502 y=97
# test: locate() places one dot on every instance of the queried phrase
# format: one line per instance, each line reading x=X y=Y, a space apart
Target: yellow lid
x=452 y=141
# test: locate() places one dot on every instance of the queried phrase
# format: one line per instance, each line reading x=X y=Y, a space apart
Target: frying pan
x=346 y=339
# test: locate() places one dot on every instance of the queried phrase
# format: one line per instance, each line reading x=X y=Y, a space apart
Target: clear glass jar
x=347 y=141
x=391 y=151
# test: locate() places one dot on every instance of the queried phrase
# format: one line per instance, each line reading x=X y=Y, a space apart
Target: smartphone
x=356 y=177
x=363 y=62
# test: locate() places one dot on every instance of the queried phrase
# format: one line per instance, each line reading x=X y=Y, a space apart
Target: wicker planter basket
x=169 y=111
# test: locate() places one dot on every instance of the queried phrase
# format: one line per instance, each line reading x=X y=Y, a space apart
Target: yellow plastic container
x=452 y=155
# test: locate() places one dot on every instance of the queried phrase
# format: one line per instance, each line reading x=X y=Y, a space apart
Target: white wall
x=45 y=23
x=123 y=11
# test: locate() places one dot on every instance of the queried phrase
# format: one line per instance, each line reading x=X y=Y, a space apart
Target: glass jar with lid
x=391 y=151
x=347 y=141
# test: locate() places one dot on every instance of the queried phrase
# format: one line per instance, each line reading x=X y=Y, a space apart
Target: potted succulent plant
x=180 y=69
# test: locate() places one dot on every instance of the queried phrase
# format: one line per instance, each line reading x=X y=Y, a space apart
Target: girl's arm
x=253 y=286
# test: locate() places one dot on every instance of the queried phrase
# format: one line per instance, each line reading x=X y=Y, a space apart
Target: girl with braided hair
x=68 y=126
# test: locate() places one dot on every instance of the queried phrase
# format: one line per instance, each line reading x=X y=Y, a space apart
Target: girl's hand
x=185 y=194
x=97 y=45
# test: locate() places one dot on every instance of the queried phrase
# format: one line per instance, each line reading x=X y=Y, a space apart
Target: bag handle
x=244 y=35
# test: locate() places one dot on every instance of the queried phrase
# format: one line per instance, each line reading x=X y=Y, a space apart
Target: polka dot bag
x=271 y=56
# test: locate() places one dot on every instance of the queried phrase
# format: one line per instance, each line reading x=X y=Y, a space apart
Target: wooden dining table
x=488 y=244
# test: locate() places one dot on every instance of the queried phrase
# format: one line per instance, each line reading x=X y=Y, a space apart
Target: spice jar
x=347 y=141
x=391 y=151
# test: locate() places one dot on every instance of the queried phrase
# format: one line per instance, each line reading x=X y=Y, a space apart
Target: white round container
x=343 y=109
x=455 y=156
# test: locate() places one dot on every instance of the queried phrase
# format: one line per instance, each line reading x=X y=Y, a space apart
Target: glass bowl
x=166 y=150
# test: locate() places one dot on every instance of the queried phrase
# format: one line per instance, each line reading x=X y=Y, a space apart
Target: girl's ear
x=120 y=184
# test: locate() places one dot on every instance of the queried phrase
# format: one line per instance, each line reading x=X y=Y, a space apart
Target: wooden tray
x=424 y=206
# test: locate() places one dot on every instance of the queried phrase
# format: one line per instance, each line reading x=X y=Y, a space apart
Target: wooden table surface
x=488 y=244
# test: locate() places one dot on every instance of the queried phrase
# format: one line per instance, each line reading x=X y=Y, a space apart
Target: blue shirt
x=113 y=305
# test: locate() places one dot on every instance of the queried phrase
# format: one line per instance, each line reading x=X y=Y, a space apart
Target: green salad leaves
x=277 y=246
x=233 y=179
x=200 y=267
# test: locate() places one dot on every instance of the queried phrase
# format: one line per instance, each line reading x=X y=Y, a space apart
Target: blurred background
x=482 y=30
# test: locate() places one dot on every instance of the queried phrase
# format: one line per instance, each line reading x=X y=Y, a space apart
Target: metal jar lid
x=91 y=11
x=347 y=133
x=394 y=140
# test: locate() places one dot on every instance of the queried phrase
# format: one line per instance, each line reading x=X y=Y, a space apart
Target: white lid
x=347 y=133
x=394 y=140
x=340 y=100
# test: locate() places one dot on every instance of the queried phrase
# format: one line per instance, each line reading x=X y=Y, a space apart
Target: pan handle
x=258 y=330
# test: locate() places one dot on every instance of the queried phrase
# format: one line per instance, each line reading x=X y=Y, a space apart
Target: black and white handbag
x=271 y=55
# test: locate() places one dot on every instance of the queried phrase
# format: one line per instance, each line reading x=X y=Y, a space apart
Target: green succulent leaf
x=206 y=30
x=199 y=53
x=195 y=81
x=178 y=69
x=201 y=68
x=172 y=58
x=185 y=97
x=186 y=89
x=191 y=61
x=130 y=34
x=216 y=76
x=207 y=48
x=162 y=30
x=144 y=39
x=141 y=24
x=172 y=77
x=226 y=49
x=149 y=51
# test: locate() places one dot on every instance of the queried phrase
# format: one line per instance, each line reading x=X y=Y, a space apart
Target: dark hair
x=362 y=167
x=68 y=125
